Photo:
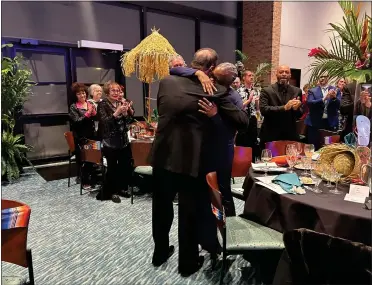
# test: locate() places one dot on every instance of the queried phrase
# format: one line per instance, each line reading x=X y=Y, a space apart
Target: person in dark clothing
x=183 y=153
x=82 y=115
x=280 y=105
x=225 y=74
x=114 y=116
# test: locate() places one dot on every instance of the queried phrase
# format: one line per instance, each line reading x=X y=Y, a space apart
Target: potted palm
x=15 y=88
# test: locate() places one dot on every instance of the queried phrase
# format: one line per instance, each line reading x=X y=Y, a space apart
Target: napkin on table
x=289 y=182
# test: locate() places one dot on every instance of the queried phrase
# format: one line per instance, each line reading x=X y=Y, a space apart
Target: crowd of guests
x=105 y=120
x=204 y=111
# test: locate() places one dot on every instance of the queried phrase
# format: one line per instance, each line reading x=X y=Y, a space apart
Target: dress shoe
x=158 y=260
x=124 y=193
x=115 y=199
x=186 y=272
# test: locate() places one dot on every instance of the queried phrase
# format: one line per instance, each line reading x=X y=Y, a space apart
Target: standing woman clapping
x=114 y=117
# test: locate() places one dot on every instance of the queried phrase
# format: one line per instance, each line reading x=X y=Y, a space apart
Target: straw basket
x=343 y=158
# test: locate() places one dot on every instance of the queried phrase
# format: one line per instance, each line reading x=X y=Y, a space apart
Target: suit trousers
x=313 y=134
x=224 y=180
x=194 y=214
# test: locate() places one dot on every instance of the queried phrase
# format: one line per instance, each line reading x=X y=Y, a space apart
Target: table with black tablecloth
x=326 y=212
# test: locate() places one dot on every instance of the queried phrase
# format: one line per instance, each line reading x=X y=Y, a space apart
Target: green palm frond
x=345 y=47
x=241 y=56
x=261 y=70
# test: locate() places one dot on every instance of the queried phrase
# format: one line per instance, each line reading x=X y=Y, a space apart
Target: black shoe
x=124 y=194
x=77 y=180
x=186 y=272
x=157 y=260
x=115 y=199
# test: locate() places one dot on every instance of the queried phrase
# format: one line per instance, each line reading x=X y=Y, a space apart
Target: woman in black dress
x=82 y=114
x=114 y=116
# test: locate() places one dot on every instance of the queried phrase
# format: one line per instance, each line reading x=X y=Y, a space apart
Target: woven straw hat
x=343 y=158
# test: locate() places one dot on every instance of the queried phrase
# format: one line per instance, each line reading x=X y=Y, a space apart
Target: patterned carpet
x=79 y=240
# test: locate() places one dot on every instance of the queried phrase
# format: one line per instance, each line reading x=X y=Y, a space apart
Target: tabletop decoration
x=343 y=158
x=149 y=60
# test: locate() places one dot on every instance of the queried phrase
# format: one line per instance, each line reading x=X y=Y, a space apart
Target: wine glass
x=309 y=150
x=317 y=176
x=317 y=180
x=298 y=147
x=305 y=161
x=327 y=175
x=291 y=154
x=335 y=178
x=266 y=156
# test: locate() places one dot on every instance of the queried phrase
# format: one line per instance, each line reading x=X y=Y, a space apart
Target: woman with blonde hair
x=114 y=117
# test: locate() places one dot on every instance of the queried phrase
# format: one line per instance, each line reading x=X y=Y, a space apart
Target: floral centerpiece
x=350 y=49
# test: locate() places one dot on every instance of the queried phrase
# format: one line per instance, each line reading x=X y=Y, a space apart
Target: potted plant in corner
x=15 y=88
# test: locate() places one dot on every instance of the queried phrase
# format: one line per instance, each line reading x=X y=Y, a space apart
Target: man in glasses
x=324 y=104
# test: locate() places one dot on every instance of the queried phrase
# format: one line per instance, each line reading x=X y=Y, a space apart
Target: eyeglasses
x=114 y=90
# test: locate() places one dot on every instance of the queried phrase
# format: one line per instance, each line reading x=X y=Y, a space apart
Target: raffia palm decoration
x=149 y=61
x=351 y=47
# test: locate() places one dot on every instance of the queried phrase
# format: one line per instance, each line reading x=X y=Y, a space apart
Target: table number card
x=357 y=193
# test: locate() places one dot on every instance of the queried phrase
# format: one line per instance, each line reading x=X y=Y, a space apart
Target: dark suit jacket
x=279 y=124
x=185 y=138
x=316 y=108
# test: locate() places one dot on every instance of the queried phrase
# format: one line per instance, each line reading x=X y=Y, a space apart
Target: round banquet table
x=326 y=212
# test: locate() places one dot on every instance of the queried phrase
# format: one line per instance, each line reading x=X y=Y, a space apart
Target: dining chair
x=238 y=235
x=278 y=147
x=91 y=153
x=15 y=217
x=241 y=163
x=335 y=260
x=141 y=167
x=71 y=150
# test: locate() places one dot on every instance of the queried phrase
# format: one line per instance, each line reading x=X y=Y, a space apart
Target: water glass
x=266 y=156
x=317 y=180
x=335 y=178
x=309 y=150
x=291 y=156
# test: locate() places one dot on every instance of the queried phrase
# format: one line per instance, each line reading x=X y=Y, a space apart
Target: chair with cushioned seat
x=278 y=147
x=71 y=150
x=140 y=154
x=239 y=235
x=15 y=217
x=241 y=163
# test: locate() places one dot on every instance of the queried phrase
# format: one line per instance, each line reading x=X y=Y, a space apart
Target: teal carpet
x=77 y=240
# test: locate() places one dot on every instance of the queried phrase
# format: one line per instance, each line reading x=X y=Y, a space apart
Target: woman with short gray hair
x=95 y=94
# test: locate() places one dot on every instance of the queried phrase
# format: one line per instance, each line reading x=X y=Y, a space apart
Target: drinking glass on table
x=327 y=175
x=305 y=161
x=316 y=176
x=309 y=150
x=291 y=156
x=335 y=178
x=298 y=147
x=266 y=156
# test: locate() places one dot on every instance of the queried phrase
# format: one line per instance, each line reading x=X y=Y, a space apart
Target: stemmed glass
x=298 y=147
x=327 y=175
x=306 y=162
x=266 y=156
x=316 y=176
x=309 y=150
x=291 y=156
x=335 y=178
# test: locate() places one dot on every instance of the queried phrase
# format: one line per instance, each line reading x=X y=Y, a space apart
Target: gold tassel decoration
x=149 y=59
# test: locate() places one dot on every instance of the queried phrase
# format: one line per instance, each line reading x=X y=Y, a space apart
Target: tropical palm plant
x=15 y=88
x=349 y=54
x=262 y=69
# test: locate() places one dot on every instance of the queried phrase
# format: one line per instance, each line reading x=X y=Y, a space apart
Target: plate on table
x=315 y=156
x=307 y=180
x=272 y=167
x=300 y=166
